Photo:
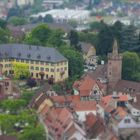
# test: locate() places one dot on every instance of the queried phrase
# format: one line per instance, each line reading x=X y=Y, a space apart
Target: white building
x=25 y=2
x=64 y=15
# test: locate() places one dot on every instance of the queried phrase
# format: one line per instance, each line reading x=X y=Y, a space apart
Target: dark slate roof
x=29 y=52
x=128 y=86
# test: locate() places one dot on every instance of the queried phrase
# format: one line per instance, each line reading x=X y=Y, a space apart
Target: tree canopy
x=131 y=66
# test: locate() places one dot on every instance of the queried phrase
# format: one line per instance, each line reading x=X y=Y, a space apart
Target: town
x=69 y=70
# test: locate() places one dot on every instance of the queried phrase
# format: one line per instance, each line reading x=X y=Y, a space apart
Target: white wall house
x=128 y=122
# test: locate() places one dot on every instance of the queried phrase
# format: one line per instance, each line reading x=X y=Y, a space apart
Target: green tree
x=56 y=37
x=7 y=122
x=73 y=37
x=39 y=35
x=17 y=21
x=96 y=25
x=33 y=133
x=48 y=19
x=15 y=11
x=4 y=36
x=21 y=71
x=131 y=66
x=105 y=40
x=27 y=96
x=3 y=24
x=117 y=30
x=75 y=61
x=13 y=105
x=130 y=39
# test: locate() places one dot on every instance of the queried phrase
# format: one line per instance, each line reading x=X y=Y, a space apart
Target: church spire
x=115 y=47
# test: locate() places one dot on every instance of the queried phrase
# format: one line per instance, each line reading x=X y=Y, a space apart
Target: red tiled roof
x=85 y=106
x=90 y=120
x=85 y=85
x=107 y=99
x=62 y=99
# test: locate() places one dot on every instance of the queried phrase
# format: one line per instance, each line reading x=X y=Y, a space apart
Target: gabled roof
x=119 y=114
x=30 y=52
x=94 y=126
x=85 y=85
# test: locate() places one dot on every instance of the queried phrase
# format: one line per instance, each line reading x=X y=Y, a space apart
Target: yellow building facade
x=52 y=65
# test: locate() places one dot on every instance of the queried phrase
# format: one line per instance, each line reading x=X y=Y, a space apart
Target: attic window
x=19 y=54
x=39 y=56
x=6 y=54
x=127 y=120
x=49 y=58
x=28 y=55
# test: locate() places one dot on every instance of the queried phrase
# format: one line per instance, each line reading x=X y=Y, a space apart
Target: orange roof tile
x=62 y=99
x=90 y=120
x=85 y=106
x=107 y=99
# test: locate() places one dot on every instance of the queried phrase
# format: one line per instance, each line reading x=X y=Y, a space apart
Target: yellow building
x=43 y=62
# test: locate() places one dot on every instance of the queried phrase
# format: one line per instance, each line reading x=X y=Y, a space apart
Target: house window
x=52 y=70
x=65 y=68
x=127 y=120
x=29 y=55
x=32 y=68
x=32 y=74
x=58 y=70
x=32 y=62
x=42 y=69
x=37 y=68
x=47 y=69
x=46 y=76
x=7 y=84
x=36 y=75
x=27 y=61
x=37 y=62
x=42 y=63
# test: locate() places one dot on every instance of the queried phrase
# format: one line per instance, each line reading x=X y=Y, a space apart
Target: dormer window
x=39 y=56
x=19 y=54
x=6 y=54
x=29 y=55
x=49 y=58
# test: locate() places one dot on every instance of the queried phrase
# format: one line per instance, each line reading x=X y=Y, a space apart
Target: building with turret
x=114 y=67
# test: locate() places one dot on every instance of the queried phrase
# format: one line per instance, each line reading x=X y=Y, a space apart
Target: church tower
x=114 y=68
